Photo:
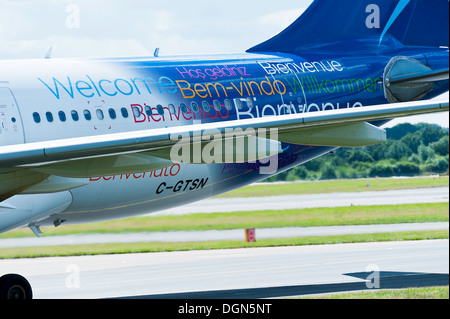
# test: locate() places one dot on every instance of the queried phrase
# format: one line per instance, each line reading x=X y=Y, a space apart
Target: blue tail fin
x=365 y=24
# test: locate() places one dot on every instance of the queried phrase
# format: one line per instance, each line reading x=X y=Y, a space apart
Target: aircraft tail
x=364 y=24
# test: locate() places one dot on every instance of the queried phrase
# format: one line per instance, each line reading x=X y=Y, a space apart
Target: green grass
x=354 y=215
x=408 y=293
x=147 y=247
x=334 y=216
x=336 y=186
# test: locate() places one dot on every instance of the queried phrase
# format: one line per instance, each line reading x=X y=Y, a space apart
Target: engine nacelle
x=25 y=210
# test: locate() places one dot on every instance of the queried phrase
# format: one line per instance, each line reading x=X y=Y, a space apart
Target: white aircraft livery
x=88 y=140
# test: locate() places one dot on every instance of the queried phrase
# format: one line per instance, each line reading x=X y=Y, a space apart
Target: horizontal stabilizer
x=421 y=77
x=406 y=79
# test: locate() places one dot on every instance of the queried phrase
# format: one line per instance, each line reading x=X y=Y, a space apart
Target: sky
x=106 y=28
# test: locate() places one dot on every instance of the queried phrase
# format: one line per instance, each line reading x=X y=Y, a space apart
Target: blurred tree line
x=410 y=150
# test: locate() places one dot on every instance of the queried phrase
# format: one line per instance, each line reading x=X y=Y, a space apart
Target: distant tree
x=328 y=171
x=407 y=169
x=412 y=141
x=398 y=150
x=441 y=147
x=378 y=151
x=400 y=130
x=436 y=165
x=299 y=172
x=358 y=155
x=430 y=133
x=425 y=153
x=381 y=170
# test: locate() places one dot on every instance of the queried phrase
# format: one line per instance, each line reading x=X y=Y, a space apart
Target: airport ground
x=433 y=212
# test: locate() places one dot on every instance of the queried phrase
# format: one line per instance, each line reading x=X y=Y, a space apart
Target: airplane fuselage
x=61 y=99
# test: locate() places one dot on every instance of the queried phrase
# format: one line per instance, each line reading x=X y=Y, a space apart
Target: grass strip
x=333 y=216
x=148 y=247
x=336 y=186
x=407 y=293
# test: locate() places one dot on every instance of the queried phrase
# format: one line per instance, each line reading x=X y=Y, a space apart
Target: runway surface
x=391 y=197
x=210 y=235
x=425 y=195
x=246 y=273
x=239 y=273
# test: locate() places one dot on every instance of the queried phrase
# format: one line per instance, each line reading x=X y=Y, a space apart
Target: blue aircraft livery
x=99 y=135
x=89 y=140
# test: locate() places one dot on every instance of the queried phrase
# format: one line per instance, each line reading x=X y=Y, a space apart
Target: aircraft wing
x=344 y=127
x=65 y=164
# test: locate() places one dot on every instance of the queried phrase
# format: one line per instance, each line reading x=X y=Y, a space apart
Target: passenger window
x=206 y=106
x=238 y=104
x=148 y=110
x=49 y=116
x=112 y=114
x=124 y=112
x=62 y=116
x=194 y=107
x=217 y=105
x=36 y=117
x=183 y=108
x=87 y=115
x=228 y=105
x=137 y=113
x=160 y=109
x=249 y=102
x=171 y=109
x=100 y=114
x=75 y=116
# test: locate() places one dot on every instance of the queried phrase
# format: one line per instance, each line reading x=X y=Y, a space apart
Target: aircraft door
x=11 y=126
x=292 y=92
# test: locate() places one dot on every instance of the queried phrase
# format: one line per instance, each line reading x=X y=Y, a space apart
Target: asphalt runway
x=246 y=273
x=391 y=197
x=239 y=273
x=211 y=235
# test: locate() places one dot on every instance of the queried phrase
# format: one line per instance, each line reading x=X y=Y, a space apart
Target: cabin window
x=160 y=109
x=148 y=110
x=112 y=114
x=228 y=105
x=75 y=116
x=36 y=117
x=49 y=116
x=249 y=102
x=62 y=116
x=87 y=115
x=124 y=112
x=100 y=114
x=183 y=108
x=194 y=107
x=217 y=105
x=238 y=104
x=137 y=113
x=171 y=109
x=205 y=106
